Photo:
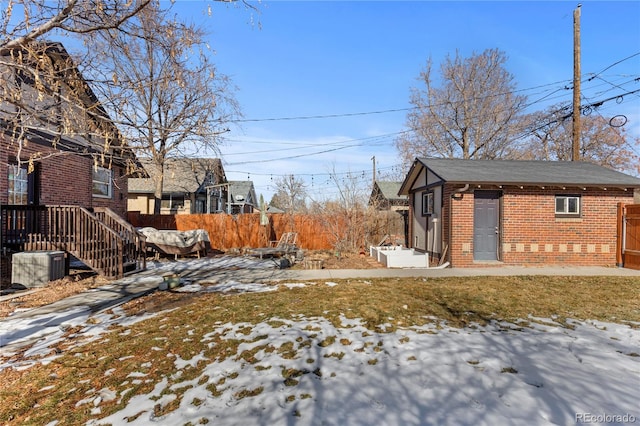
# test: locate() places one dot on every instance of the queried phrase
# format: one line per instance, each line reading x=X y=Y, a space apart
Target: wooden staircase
x=100 y=239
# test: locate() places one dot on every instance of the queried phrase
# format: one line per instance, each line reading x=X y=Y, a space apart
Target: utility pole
x=374 y=168
x=575 y=151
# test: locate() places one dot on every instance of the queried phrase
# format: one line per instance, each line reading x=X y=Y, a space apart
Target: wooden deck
x=101 y=239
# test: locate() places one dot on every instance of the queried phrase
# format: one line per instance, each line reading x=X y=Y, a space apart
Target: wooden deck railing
x=135 y=245
x=17 y=222
x=73 y=229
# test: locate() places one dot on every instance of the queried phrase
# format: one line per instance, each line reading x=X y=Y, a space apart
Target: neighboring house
x=384 y=196
x=190 y=185
x=63 y=180
x=393 y=210
x=473 y=212
x=242 y=196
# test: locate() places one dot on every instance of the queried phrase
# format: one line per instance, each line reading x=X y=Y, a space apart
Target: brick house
x=59 y=177
x=51 y=181
x=487 y=212
x=72 y=169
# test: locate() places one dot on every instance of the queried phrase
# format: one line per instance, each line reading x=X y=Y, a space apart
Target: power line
x=357 y=172
x=352 y=114
x=344 y=145
x=314 y=117
x=613 y=65
x=385 y=111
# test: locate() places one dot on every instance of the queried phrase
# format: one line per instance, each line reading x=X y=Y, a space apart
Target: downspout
x=460 y=190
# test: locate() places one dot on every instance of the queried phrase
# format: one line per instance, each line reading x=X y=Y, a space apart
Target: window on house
x=172 y=202
x=18 y=185
x=567 y=206
x=427 y=203
x=102 y=186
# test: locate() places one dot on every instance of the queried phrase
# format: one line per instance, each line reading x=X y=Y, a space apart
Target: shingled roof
x=517 y=172
x=243 y=189
x=181 y=175
x=390 y=190
x=79 y=99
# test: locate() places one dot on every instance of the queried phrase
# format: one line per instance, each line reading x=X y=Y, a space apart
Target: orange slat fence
x=237 y=231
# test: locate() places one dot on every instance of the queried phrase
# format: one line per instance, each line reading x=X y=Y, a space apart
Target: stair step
x=97 y=255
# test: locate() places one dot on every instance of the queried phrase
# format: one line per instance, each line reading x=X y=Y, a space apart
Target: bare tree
x=166 y=96
x=41 y=91
x=600 y=141
x=345 y=215
x=23 y=22
x=473 y=114
x=291 y=194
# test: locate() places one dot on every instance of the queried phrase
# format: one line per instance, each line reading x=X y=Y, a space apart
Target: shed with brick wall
x=488 y=212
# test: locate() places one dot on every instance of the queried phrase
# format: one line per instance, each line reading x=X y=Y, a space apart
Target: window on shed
x=567 y=206
x=427 y=203
x=102 y=182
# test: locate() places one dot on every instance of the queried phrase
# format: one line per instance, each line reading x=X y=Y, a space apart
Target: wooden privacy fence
x=315 y=232
x=628 y=253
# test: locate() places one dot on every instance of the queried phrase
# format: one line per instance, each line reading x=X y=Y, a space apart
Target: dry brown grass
x=55 y=290
x=397 y=303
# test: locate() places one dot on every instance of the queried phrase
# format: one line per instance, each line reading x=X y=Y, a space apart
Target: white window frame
x=427 y=203
x=18 y=185
x=567 y=209
x=100 y=180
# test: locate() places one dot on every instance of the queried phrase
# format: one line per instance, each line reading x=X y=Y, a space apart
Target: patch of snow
x=237 y=287
x=294 y=285
x=533 y=371
x=490 y=375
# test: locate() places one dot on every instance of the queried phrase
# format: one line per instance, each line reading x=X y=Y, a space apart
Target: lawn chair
x=287 y=240
x=284 y=247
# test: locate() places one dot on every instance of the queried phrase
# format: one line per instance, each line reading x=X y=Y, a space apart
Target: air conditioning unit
x=37 y=268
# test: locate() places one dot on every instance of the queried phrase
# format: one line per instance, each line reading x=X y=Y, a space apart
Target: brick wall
x=532 y=235
x=64 y=178
x=460 y=228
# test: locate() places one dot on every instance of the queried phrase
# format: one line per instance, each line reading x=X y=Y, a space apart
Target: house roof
x=389 y=190
x=65 y=67
x=186 y=175
x=274 y=209
x=517 y=172
x=244 y=189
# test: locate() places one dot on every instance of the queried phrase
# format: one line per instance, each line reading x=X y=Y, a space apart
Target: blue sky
x=335 y=58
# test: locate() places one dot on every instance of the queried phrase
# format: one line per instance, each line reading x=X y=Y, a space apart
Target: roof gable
x=243 y=189
x=92 y=124
x=390 y=189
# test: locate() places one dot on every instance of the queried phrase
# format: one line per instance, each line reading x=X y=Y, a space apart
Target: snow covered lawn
x=347 y=375
x=193 y=366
